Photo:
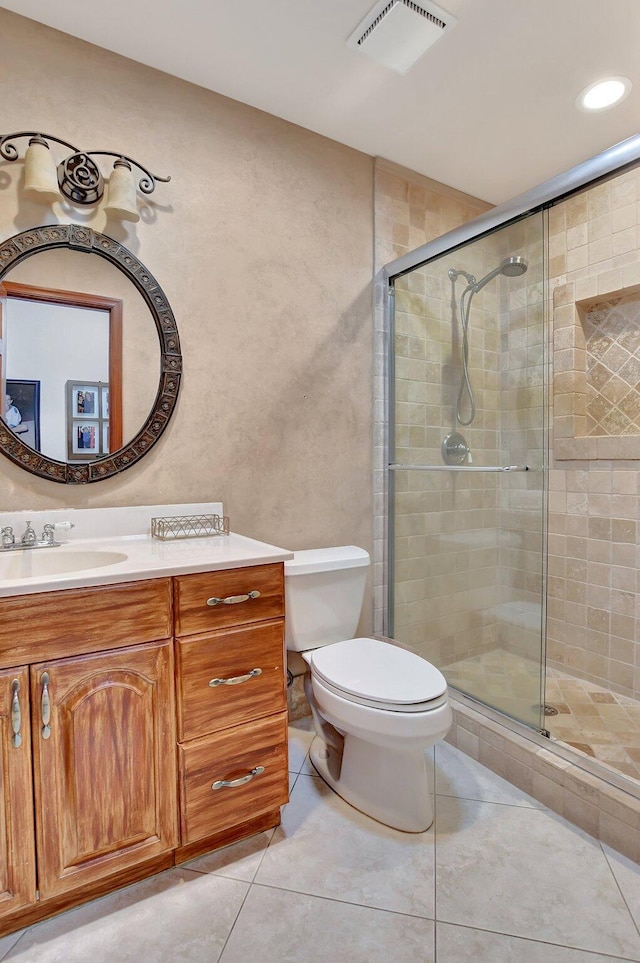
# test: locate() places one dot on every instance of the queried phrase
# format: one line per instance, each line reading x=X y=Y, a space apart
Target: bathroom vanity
x=143 y=709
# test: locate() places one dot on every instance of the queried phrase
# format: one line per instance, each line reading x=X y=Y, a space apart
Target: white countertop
x=146 y=558
x=21 y=572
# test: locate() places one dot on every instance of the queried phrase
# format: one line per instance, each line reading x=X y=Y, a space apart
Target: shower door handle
x=459 y=468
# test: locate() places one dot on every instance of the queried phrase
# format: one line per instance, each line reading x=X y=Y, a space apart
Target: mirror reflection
x=79 y=356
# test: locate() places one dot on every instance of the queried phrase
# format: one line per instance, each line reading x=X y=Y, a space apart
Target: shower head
x=511 y=267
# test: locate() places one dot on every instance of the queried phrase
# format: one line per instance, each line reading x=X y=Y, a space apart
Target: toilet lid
x=379 y=672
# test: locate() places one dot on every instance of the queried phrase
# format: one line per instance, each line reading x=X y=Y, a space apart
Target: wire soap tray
x=189 y=526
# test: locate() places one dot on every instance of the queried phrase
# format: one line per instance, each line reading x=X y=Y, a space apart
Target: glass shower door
x=467 y=467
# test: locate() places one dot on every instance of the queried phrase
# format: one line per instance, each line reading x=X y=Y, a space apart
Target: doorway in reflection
x=62 y=366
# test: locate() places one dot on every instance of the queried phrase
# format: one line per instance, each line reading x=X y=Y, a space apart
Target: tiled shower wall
x=594 y=553
x=522 y=440
x=467 y=547
x=409 y=211
x=594 y=508
x=446 y=523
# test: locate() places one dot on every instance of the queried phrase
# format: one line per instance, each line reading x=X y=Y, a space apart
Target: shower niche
x=596 y=381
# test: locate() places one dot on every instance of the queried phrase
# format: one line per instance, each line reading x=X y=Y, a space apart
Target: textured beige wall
x=263 y=244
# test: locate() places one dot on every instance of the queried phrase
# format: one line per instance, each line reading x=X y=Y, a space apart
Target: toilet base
x=390 y=786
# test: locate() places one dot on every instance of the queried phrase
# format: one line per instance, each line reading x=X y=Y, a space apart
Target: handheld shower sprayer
x=511 y=267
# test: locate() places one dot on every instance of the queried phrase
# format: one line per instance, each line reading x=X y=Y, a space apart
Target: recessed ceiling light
x=603 y=94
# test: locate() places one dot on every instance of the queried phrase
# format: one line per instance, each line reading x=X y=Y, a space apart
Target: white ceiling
x=489 y=109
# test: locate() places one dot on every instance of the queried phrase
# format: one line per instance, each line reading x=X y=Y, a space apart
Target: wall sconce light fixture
x=78 y=178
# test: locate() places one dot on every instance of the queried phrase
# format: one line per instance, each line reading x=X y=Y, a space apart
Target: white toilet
x=376 y=707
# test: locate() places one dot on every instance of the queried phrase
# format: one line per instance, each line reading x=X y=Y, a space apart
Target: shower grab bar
x=458 y=468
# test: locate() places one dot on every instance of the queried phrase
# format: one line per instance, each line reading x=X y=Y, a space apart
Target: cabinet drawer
x=231 y=755
x=232 y=655
x=191 y=593
x=53 y=625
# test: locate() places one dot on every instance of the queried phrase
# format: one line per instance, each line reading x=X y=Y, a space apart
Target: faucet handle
x=47 y=535
x=63 y=526
x=8 y=538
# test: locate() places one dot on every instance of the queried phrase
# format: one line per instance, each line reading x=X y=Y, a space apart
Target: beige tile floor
x=498 y=878
x=504 y=679
x=595 y=721
x=591 y=719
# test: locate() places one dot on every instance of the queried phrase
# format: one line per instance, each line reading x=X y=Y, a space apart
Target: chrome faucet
x=29 y=539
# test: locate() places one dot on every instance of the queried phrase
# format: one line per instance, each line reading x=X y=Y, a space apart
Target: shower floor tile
x=592 y=720
x=609 y=732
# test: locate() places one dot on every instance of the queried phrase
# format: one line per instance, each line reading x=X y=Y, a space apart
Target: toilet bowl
x=376 y=707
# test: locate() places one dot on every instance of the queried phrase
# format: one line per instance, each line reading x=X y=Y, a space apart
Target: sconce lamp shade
x=40 y=175
x=121 y=198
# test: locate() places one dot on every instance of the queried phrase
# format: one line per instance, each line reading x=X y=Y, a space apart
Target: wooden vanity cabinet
x=231 y=696
x=105 y=776
x=17 y=843
x=89 y=798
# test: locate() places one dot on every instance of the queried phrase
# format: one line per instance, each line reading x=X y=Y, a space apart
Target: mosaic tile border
x=572 y=391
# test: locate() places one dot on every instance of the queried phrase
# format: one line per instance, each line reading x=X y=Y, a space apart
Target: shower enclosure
x=513 y=345
x=466 y=478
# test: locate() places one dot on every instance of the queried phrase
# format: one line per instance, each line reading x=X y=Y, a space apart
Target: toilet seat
x=378 y=674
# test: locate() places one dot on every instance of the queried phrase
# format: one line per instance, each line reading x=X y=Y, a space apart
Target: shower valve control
x=455 y=450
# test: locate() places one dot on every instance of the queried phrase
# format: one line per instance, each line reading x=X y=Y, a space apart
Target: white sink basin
x=39 y=562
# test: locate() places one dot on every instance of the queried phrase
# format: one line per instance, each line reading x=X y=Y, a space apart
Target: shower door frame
x=538 y=200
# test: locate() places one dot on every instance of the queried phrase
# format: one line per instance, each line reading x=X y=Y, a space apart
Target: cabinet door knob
x=234 y=599
x=16 y=714
x=236 y=679
x=45 y=706
x=242 y=781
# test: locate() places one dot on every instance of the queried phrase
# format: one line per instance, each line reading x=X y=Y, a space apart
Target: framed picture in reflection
x=87 y=404
x=85 y=401
x=86 y=438
x=21 y=410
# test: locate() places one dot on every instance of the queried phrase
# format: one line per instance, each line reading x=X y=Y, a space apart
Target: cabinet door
x=104 y=763
x=17 y=844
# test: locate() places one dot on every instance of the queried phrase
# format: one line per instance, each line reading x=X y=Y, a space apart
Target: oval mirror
x=87 y=383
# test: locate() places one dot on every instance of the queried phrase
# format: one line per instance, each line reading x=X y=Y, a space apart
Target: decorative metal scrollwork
x=75 y=237
x=79 y=177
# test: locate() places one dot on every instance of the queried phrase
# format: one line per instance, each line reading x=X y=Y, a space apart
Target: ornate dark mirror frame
x=76 y=238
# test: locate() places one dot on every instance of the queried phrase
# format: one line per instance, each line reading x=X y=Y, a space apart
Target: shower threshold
x=589 y=719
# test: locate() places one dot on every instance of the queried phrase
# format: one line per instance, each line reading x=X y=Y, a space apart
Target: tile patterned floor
x=498 y=878
x=594 y=721
x=501 y=678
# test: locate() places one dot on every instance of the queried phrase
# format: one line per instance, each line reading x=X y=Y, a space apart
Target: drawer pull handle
x=45 y=706
x=242 y=781
x=237 y=679
x=234 y=599
x=16 y=714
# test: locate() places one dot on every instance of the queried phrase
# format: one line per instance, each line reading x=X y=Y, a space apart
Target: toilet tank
x=324 y=589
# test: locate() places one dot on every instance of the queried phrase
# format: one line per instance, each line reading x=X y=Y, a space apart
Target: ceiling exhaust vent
x=396 y=33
